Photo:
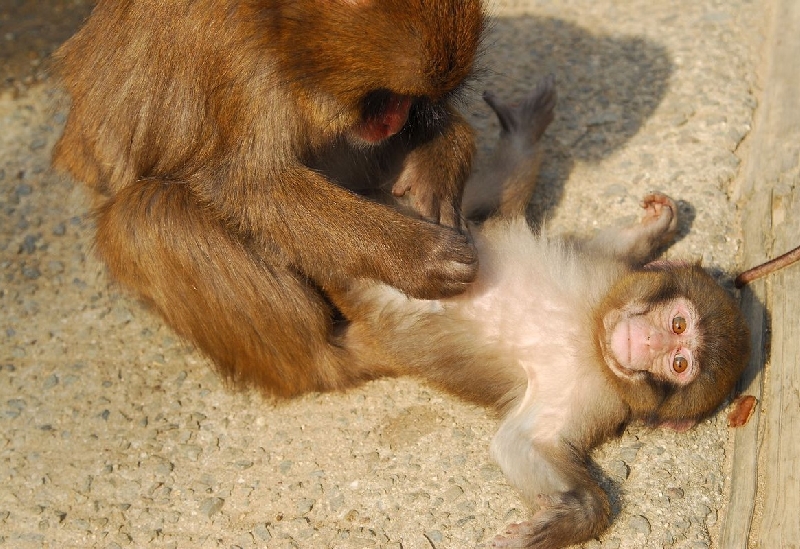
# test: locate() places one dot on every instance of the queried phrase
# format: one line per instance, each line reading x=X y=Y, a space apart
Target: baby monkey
x=568 y=340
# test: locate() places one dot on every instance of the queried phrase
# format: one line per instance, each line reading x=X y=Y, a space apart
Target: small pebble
x=69 y=379
x=262 y=533
x=211 y=506
x=16 y=403
x=164 y=467
x=682 y=524
x=435 y=536
x=31 y=273
x=50 y=382
x=640 y=524
x=619 y=470
x=305 y=505
x=675 y=493
x=123 y=315
x=629 y=453
x=192 y=451
x=285 y=466
x=453 y=493
x=29 y=244
x=38 y=143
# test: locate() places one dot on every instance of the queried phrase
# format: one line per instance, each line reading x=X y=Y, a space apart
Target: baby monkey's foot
x=562 y=519
x=514 y=536
x=532 y=116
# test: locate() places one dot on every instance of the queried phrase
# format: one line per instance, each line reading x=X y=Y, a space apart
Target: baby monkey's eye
x=679 y=363
x=678 y=324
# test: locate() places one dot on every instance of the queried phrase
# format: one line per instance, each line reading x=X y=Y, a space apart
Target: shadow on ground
x=608 y=86
x=30 y=32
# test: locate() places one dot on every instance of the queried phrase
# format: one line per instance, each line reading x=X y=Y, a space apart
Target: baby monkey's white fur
x=527 y=336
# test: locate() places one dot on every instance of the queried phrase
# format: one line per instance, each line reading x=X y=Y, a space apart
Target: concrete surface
x=114 y=433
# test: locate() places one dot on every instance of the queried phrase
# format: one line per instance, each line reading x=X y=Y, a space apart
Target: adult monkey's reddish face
x=385 y=118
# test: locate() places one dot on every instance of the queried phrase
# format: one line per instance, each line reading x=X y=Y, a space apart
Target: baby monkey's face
x=657 y=338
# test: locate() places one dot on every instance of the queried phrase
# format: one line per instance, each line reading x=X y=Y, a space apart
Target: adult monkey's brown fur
x=228 y=143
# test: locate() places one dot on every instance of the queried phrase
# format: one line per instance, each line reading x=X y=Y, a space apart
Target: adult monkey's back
x=229 y=143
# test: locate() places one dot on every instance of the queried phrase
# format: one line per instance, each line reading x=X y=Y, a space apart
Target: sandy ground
x=115 y=433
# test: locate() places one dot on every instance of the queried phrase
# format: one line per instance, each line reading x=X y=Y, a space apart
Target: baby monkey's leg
x=505 y=185
x=641 y=242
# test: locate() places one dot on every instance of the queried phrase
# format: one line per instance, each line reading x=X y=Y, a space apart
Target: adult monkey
x=242 y=154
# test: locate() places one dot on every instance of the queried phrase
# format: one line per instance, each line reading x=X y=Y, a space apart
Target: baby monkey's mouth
x=616 y=345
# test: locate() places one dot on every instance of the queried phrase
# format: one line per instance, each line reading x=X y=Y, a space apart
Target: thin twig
x=766 y=268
